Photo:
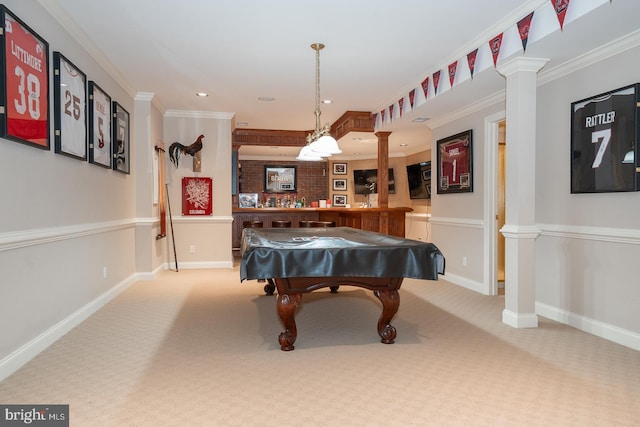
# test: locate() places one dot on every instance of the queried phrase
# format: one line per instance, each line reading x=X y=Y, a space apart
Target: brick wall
x=312 y=178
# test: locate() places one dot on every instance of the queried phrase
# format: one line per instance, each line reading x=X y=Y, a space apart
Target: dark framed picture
x=339 y=200
x=339 y=168
x=70 y=108
x=25 y=83
x=604 y=142
x=100 y=151
x=280 y=179
x=340 y=185
x=121 y=137
x=455 y=163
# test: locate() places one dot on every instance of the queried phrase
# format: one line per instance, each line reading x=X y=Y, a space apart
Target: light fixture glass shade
x=325 y=144
x=629 y=157
x=306 y=155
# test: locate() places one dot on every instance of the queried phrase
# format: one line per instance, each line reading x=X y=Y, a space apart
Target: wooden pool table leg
x=287 y=305
x=390 y=302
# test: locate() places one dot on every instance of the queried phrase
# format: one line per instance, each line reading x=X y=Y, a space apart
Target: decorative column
x=520 y=230
x=383 y=179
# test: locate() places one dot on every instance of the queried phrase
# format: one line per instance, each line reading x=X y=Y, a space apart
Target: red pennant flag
x=452 y=72
x=560 y=6
x=382 y=116
x=523 y=28
x=374 y=116
x=401 y=103
x=494 y=45
x=412 y=96
x=425 y=87
x=391 y=112
x=436 y=81
x=471 y=59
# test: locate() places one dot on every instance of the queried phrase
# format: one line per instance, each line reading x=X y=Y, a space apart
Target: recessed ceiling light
x=241 y=124
x=403 y=145
x=327 y=101
x=266 y=98
x=420 y=119
x=202 y=94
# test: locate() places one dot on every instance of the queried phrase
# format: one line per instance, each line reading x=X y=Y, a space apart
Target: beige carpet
x=199 y=348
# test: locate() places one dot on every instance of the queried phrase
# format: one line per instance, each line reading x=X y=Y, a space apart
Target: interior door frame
x=491 y=137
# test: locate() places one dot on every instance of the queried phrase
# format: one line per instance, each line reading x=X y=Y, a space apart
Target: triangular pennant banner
x=523 y=28
x=436 y=81
x=382 y=116
x=374 y=117
x=471 y=59
x=391 y=112
x=452 y=72
x=400 y=104
x=560 y=6
x=412 y=96
x=494 y=45
x=425 y=87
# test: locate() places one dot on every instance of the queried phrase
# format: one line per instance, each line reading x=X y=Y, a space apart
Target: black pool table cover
x=335 y=252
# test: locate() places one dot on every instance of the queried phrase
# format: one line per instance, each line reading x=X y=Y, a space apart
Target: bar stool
x=281 y=224
x=324 y=224
x=306 y=224
x=251 y=224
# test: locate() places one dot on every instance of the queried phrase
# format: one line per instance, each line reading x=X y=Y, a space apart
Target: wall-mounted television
x=366 y=181
x=419 y=177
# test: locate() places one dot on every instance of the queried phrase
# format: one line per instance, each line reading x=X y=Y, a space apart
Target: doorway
x=500 y=216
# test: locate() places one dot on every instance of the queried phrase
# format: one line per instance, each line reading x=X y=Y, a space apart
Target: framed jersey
x=455 y=163
x=604 y=149
x=24 y=76
x=70 y=108
x=100 y=151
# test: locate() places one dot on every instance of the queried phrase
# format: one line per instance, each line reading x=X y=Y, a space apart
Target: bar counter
x=382 y=220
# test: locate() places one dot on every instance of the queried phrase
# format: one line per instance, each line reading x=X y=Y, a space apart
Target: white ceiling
x=376 y=52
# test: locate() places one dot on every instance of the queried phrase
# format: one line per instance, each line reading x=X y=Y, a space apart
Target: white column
x=520 y=229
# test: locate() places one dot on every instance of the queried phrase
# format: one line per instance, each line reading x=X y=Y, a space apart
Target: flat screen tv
x=419 y=177
x=366 y=181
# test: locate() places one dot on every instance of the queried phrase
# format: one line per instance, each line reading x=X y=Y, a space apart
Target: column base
x=515 y=320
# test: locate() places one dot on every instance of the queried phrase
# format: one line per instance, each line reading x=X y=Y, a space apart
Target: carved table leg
x=287 y=305
x=390 y=302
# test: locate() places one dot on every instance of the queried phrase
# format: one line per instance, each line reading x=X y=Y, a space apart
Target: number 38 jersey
x=27 y=83
x=603 y=131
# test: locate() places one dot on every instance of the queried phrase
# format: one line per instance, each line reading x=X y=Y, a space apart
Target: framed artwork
x=340 y=185
x=100 y=151
x=339 y=168
x=279 y=179
x=24 y=77
x=70 y=108
x=197 y=196
x=248 y=200
x=455 y=163
x=604 y=142
x=339 y=200
x=121 y=137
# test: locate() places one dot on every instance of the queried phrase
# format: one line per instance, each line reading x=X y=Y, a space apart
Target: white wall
x=211 y=235
x=586 y=255
x=62 y=223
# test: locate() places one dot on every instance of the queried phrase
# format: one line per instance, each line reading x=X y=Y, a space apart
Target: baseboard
x=595 y=327
x=199 y=265
x=465 y=283
x=17 y=359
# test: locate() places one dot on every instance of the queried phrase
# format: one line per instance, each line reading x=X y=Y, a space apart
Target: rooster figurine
x=176 y=150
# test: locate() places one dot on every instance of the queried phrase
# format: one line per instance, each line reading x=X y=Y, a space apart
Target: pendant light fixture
x=320 y=143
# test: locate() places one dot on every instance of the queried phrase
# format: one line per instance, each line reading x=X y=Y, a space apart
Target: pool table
x=301 y=260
